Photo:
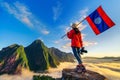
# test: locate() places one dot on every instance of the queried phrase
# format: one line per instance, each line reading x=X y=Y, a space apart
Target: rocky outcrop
x=13 y=59
x=71 y=74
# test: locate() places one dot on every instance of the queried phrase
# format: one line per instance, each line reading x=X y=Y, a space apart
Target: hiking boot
x=83 y=68
x=80 y=68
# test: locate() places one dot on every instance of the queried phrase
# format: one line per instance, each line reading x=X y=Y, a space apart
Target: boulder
x=71 y=74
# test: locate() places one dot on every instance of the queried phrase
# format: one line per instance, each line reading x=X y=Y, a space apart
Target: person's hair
x=76 y=30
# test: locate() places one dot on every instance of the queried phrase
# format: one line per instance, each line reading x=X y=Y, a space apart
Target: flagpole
x=77 y=25
x=81 y=21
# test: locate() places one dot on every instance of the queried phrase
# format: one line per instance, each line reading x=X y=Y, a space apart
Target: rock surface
x=71 y=74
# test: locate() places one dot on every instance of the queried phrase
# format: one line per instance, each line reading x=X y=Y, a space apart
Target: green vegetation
x=36 y=57
x=39 y=56
x=13 y=59
x=22 y=55
x=42 y=78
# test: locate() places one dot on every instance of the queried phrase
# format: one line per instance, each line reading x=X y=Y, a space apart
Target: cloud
x=23 y=14
x=83 y=13
x=88 y=43
x=57 y=11
x=57 y=42
x=44 y=31
x=20 y=12
x=66 y=46
x=27 y=21
x=83 y=36
x=77 y=19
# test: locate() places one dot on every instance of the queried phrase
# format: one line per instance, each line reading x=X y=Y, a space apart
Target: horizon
x=94 y=56
x=22 y=22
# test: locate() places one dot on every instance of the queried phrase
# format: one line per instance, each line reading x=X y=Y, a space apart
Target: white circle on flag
x=97 y=20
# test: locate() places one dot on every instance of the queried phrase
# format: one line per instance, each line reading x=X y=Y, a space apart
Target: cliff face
x=71 y=74
x=13 y=59
x=39 y=56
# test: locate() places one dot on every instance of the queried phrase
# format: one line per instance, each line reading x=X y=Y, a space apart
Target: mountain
x=61 y=56
x=39 y=56
x=13 y=59
x=35 y=57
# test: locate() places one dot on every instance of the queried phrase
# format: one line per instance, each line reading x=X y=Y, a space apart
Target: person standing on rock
x=76 y=45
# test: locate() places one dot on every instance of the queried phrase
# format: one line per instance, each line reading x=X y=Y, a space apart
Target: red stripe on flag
x=95 y=29
x=105 y=17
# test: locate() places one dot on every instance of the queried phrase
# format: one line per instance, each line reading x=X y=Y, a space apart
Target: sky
x=23 y=21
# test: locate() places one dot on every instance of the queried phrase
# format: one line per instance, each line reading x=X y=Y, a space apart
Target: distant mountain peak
x=36 y=44
x=13 y=45
x=38 y=41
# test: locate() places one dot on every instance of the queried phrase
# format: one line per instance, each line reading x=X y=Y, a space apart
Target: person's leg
x=80 y=67
x=76 y=54
x=79 y=51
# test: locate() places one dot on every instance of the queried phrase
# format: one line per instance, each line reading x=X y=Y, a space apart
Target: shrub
x=38 y=77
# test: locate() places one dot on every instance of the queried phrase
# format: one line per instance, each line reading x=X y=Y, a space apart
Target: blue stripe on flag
x=98 y=21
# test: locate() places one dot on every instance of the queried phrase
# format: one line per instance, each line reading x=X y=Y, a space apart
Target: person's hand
x=83 y=50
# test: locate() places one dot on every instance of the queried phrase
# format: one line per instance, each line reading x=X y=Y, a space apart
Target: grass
x=38 y=77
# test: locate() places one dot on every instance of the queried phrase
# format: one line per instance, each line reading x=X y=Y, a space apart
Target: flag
x=99 y=21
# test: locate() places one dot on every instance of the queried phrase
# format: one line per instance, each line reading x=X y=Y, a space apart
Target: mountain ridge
x=12 y=59
x=35 y=57
x=42 y=56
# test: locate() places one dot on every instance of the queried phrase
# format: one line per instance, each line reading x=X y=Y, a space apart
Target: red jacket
x=76 y=39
